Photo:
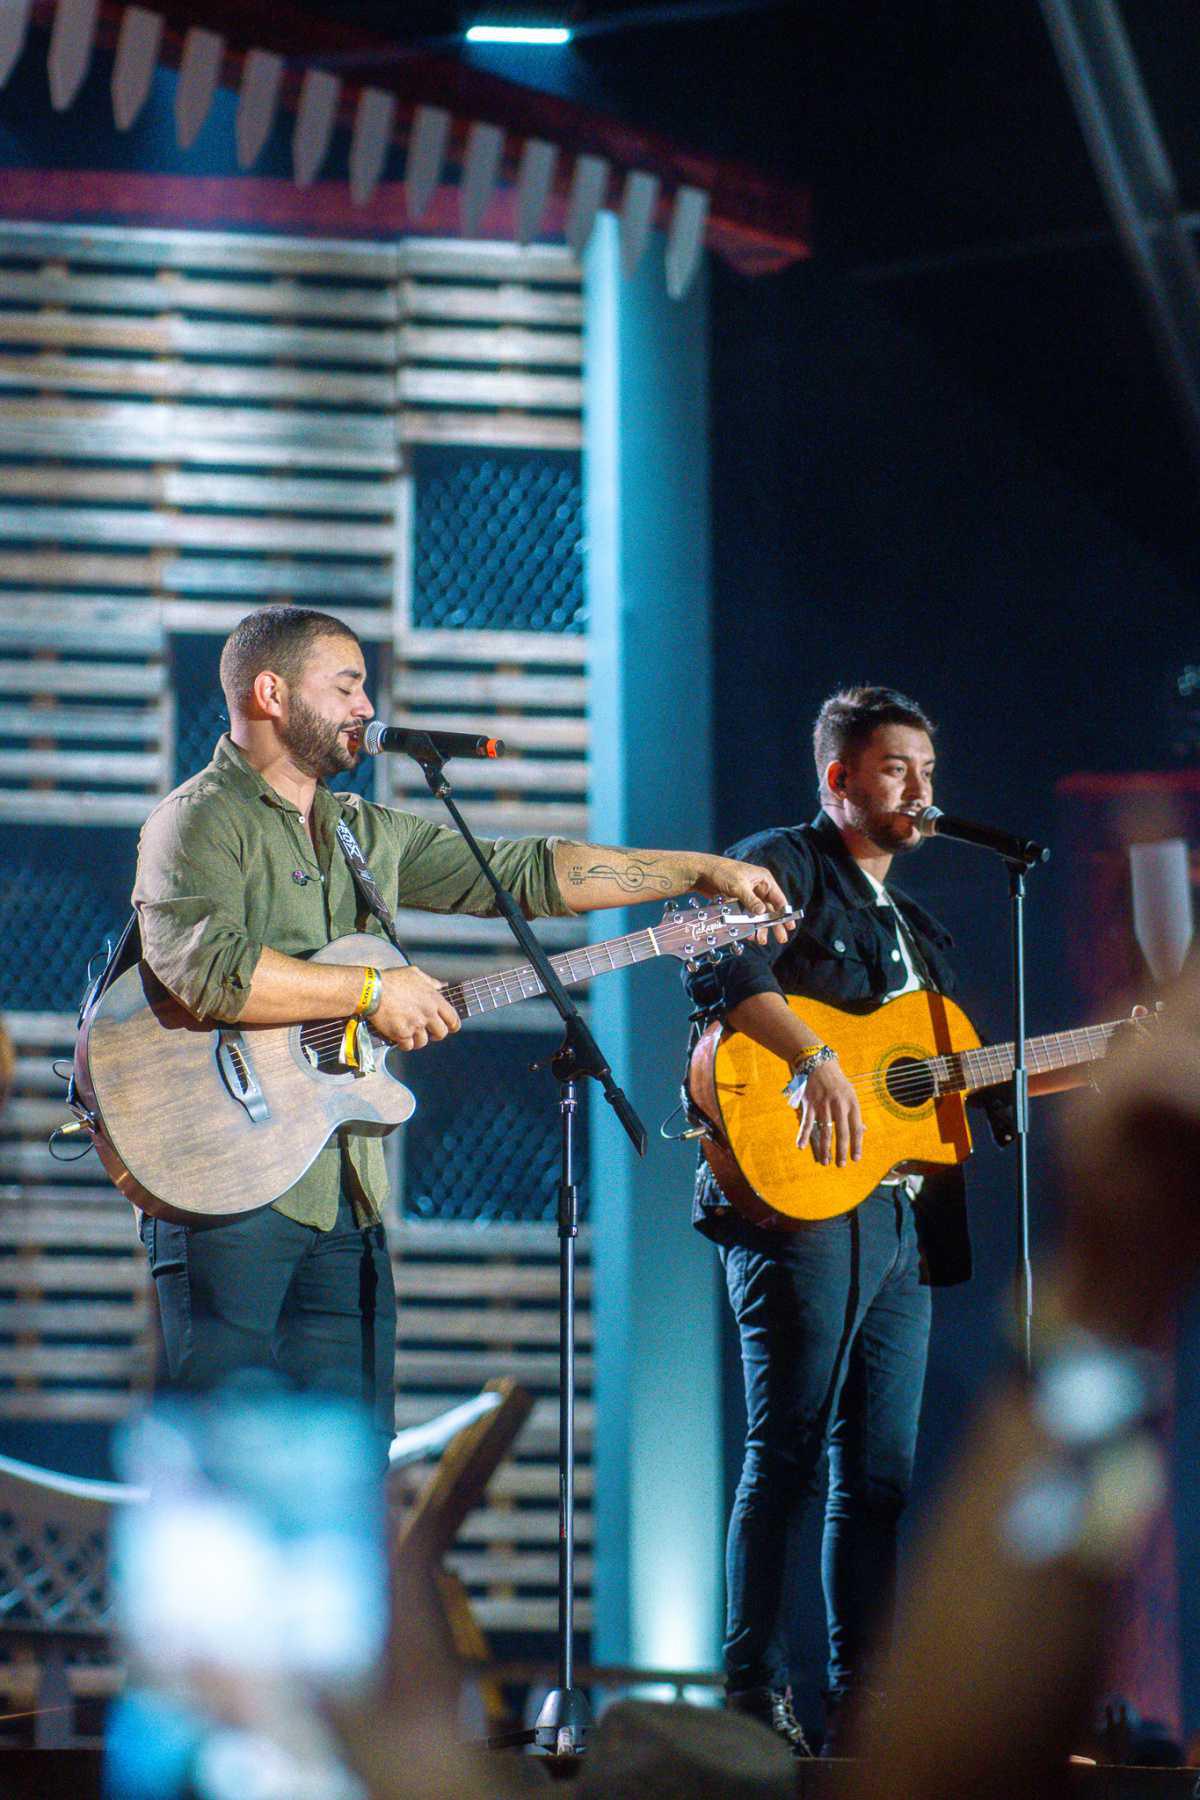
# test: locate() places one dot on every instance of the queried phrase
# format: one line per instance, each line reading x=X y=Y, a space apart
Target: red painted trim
x=755 y=223
x=323 y=210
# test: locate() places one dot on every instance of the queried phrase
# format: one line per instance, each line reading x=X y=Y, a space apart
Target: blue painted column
x=659 y=1508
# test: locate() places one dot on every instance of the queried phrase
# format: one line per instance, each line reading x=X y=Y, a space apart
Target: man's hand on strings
x=414 y=1011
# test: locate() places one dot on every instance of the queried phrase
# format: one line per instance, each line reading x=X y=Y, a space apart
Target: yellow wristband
x=372 y=994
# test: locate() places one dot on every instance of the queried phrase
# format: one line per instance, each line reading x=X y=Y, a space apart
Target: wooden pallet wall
x=192 y=424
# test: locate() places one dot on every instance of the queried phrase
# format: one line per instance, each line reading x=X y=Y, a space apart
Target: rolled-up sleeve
x=439 y=874
x=189 y=896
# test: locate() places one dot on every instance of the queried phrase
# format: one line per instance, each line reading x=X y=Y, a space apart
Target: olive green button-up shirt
x=226 y=866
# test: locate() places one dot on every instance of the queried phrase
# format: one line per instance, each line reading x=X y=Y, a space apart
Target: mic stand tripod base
x=564 y=1723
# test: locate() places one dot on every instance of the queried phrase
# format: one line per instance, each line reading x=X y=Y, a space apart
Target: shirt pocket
x=841 y=954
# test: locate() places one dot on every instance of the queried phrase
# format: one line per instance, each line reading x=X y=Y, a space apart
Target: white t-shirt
x=906 y=976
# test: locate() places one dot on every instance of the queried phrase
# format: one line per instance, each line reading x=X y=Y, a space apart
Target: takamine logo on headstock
x=700 y=933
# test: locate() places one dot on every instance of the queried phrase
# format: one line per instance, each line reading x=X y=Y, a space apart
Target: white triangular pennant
x=481 y=165
x=369 y=146
x=258 y=96
x=589 y=184
x=426 y=153
x=637 y=216
x=199 y=67
x=14 y=22
x=71 y=41
x=315 y=114
x=534 y=178
x=685 y=239
x=138 y=44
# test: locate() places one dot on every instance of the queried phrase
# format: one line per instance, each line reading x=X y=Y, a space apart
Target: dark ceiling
x=948 y=172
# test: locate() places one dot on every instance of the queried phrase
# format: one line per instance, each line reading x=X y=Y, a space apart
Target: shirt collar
x=230 y=761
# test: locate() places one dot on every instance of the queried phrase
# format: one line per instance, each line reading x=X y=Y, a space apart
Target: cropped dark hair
x=279 y=638
x=849 y=719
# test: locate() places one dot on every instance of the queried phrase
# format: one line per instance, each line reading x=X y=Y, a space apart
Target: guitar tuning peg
x=737 y=948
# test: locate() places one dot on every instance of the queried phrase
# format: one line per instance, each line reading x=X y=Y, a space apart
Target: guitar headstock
x=697 y=934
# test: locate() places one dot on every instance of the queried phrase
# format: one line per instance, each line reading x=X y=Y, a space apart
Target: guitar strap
x=368 y=887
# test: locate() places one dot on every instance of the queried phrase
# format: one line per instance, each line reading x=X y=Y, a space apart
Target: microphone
x=416 y=743
x=933 y=822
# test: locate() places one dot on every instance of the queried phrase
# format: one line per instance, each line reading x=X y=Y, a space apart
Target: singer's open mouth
x=354 y=738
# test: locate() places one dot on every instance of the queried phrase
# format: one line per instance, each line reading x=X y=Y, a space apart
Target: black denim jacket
x=845 y=951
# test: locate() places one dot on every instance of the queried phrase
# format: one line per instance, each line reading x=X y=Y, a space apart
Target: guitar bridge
x=237 y=1072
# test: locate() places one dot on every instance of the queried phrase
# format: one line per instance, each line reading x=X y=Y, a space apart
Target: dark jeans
x=258 y=1291
x=834 y=1330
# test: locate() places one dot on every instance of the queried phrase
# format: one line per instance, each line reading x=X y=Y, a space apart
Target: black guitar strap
x=368 y=887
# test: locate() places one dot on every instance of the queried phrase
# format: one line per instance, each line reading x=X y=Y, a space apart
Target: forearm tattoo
x=629 y=874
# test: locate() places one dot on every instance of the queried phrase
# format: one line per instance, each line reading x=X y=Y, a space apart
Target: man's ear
x=835 y=777
x=268 y=694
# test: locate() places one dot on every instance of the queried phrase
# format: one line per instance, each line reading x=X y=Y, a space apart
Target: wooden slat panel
x=41 y=1028
x=37 y=621
x=527 y=648
x=103 y=525
x=183 y=381
x=91 y=1362
x=487 y=1325
x=133 y=679
x=171 y=334
x=438 y=257
x=109 y=440
x=74 y=809
x=64 y=1227
x=526 y=1568
x=79 y=722
x=526 y=1615
x=532 y=1525
x=76 y=1405
x=501 y=344
x=460 y=387
x=519 y=731
x=485 y=1280
x=427 y=1368
x=181 y=488
x=170 y=428
x=217 y=617
x=112 y=768
x=168 y=291
x=215 y=574
x=503 y=430
x=439 y=1238
x=479 y=688
x=514 y=775
x=86 y=1318
x=537 y=1481
x=508 y=303
x=76 y=1274
x=113 y=246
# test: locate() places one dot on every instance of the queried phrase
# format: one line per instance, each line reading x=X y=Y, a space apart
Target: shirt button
x=838 y=945
x=895 y=956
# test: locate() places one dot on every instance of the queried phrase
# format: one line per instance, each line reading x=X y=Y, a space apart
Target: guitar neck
x=484 y=993
x=993 y=1063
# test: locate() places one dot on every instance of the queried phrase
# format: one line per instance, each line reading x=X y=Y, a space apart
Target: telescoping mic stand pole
x=566 y=1718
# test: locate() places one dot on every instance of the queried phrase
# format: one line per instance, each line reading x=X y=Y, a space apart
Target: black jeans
x=259 y=1291
x=834 y=1328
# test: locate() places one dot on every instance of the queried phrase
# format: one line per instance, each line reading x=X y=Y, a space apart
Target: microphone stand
x=565 y=1719
x=1023 y=1282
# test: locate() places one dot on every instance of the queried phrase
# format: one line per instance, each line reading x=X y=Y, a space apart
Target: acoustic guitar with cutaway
x=196 y=1118
x=912 y=1062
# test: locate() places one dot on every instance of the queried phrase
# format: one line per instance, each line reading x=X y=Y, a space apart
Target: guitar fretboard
x=484 y=993
x=967 y=1070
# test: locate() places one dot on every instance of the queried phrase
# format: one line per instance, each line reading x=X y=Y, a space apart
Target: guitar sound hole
x=909 y=1082
x=321 y=1045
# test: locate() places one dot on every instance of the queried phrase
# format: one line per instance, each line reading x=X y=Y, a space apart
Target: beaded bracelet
x=808 y=1060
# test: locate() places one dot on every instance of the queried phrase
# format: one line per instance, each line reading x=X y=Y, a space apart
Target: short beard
x=315 y=745
x=883 y=832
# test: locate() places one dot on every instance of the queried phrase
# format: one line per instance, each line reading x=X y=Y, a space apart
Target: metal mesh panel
x=498 y=540
x=495 y=1156
x=61 y=893
x=201 y=714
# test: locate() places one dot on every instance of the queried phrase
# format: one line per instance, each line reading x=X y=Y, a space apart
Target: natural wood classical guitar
x=913 y=1061
x=193 y=1118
